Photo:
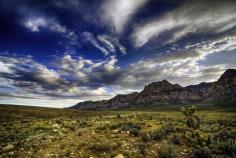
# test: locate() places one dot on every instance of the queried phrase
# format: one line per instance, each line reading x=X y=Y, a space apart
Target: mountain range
x=164 y=93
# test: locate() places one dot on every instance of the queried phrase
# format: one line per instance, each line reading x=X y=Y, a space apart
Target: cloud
x=27 y=70
x=37 y=23
x=89 y=37
x=40 y=23
x=70 y=78
x=204 y=61
x=117 y=13
x=67 y=73
x=193 y=17
x=104 y=39
x=112 y=44
x=84 y=72
x=106 y=44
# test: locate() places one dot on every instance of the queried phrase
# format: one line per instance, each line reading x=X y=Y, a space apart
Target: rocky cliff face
x=163 y=92
x=224 y=89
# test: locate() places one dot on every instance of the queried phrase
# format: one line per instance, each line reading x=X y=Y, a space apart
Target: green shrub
x=118 y=116
x=191 y=120
x=223 y=135
x=102 y=128
x=158 y=135
x=163 y=132
x=70 y=125
x=166 y=151
x=201 y=152
x=135 y=132
x=130 y=125
x=145 y=137
x=134 y=129
x=142 y=148
x=227 y=147
x=101 y=147
x=196 y=138
x=176 y=139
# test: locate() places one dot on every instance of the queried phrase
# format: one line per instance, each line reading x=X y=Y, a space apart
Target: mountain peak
x=229 y=73
x=163 y=82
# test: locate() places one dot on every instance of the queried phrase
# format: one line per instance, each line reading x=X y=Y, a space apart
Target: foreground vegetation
x=43 y=132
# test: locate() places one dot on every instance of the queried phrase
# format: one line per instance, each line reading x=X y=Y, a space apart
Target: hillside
x=165 y=93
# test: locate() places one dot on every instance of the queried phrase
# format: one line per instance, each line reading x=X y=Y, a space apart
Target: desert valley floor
x=51 y=133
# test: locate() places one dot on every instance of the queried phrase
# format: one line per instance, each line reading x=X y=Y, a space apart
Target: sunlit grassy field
x=46 y=132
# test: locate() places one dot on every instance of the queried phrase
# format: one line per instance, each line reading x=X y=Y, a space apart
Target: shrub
x=142 y=148
x=82 y=124
x=70 y=125
x=197 y=138
x=102 y=128
x=163 y=132
x=118 y=116
x=201 y=152
x=134 y=129
x=191 y=120
x=227 y=147
x=101 y=147
x=166 y=151
x=176 y=139
x=130 y=125
x=145 y=137
x=223 y=135
x=158 y=135
x=134 y=132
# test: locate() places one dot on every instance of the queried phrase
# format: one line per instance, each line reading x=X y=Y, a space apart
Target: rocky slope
x=163 y=92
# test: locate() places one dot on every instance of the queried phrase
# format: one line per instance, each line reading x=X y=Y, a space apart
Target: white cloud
x=193 y=17
x=89 y=37
x=196 y=63
x=110 y=65
x=112 y=44
x=119 y=12
x=84 y=69
x=37 y=23
x=122 y=49
x=104 y=39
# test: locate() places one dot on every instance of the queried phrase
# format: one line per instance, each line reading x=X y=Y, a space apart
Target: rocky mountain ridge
x=165 y=93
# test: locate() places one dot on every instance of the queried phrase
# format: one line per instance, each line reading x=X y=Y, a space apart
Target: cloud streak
x=117 y=13
x=191 y=18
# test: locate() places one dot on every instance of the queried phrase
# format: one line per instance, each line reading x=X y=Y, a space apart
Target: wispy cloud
x=39 y=23
x=104 y=39
x=193 y=17
x=112 y=44
x=89 y=37
x=117 y=13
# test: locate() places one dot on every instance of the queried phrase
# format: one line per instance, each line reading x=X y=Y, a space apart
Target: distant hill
x=164 y=93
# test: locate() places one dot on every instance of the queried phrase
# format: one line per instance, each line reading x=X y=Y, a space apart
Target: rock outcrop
x=163 y=92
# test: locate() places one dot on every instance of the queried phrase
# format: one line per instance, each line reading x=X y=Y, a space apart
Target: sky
x=56 y=53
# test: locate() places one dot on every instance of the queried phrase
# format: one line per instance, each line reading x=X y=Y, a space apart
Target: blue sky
x=57 y=53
